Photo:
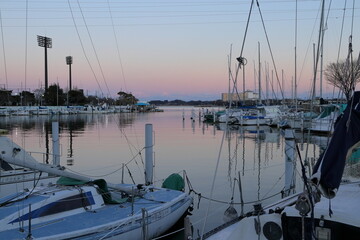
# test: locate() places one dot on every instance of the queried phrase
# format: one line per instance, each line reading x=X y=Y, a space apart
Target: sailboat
x=77 y=207
x=324 y=123
x=327 y=208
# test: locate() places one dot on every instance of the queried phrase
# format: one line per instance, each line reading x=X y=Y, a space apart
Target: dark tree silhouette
x=27 y=98
x=55 y=95
x=343 y=75
x=126 y=98
x=77 y=97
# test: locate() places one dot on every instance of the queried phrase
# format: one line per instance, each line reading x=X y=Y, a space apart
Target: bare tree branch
x=343 y=75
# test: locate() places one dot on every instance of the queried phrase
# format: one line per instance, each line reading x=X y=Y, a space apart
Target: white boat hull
x=283 y=221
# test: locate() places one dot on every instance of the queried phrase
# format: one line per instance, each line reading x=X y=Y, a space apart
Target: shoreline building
x=234 y=97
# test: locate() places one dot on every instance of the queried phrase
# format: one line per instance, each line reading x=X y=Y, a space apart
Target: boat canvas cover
x=101 y=183
x=174 y=182
x=330 y=166
x=329 y=109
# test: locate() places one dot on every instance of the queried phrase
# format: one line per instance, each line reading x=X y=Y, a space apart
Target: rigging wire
x=236 y=203
x=339 y=94
x=82 y=46
x=318 y=52
x=352 y=18
x=117 y=45
x=341 y=31
x=114 y=171
x=97 y=81
x=307 y=51
x=241 y=59
x=88 y=61
x=213 y=185
x=25 y=78
x=93 y=46
x=271 y=53
x=26 y=45
x=322 y=49
x=3 y=47
x=351 y=63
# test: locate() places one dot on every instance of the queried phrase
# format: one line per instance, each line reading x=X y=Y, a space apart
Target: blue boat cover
x=330 y=166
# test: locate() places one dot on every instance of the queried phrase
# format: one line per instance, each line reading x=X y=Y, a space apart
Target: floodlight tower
x=69 y=61
x=46 y=43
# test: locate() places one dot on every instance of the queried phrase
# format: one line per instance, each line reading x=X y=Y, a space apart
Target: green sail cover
x=174 y=182
x=69 y=181
x=101 y=183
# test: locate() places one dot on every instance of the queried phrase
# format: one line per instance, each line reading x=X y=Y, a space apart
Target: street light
x=46 y=43
x=69 y=61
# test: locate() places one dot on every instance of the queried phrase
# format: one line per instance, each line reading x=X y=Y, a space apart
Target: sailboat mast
x=267 y=84
x=292 y=90
x=295 y=70
x=321 y=54
x=229 y=90
x=259 y=78
x=314 y=70
x=272 y=84
x=290 y=161
x=244 y=83
x=282 y=81
x=148 y=154
x=56 y=143
x=320 y=40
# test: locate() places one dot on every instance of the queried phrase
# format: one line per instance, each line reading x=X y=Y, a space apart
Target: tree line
x=56 y=96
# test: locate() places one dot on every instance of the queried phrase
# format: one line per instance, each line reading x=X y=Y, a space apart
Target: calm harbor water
x=97 y=146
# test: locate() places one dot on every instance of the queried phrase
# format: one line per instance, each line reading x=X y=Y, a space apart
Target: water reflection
x=265 y=146
x=251 y=159
x=75 y=122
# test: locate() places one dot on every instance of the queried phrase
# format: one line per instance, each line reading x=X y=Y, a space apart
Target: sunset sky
x=166 y=50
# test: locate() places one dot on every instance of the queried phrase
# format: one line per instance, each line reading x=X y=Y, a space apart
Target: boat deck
x=114 y=218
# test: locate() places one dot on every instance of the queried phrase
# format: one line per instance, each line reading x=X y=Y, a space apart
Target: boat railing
x=45 y=157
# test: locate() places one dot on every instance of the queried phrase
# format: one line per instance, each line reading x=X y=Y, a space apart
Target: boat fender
x=174 y=182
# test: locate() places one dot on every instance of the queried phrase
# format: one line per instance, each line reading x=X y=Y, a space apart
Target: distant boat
x=21 y=112
x=4 y=112
x=324 y=123
x=77 y=207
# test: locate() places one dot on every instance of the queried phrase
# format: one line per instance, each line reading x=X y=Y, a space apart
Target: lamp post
x=69 y=61
x=46 y=43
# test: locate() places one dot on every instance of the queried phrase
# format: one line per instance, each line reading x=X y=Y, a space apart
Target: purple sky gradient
x=167 y=50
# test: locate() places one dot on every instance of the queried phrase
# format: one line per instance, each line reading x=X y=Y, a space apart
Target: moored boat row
x=66 y=110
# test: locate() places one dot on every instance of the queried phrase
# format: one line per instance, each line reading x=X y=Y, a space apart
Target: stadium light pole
x=46 y=43
x=69 y=61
